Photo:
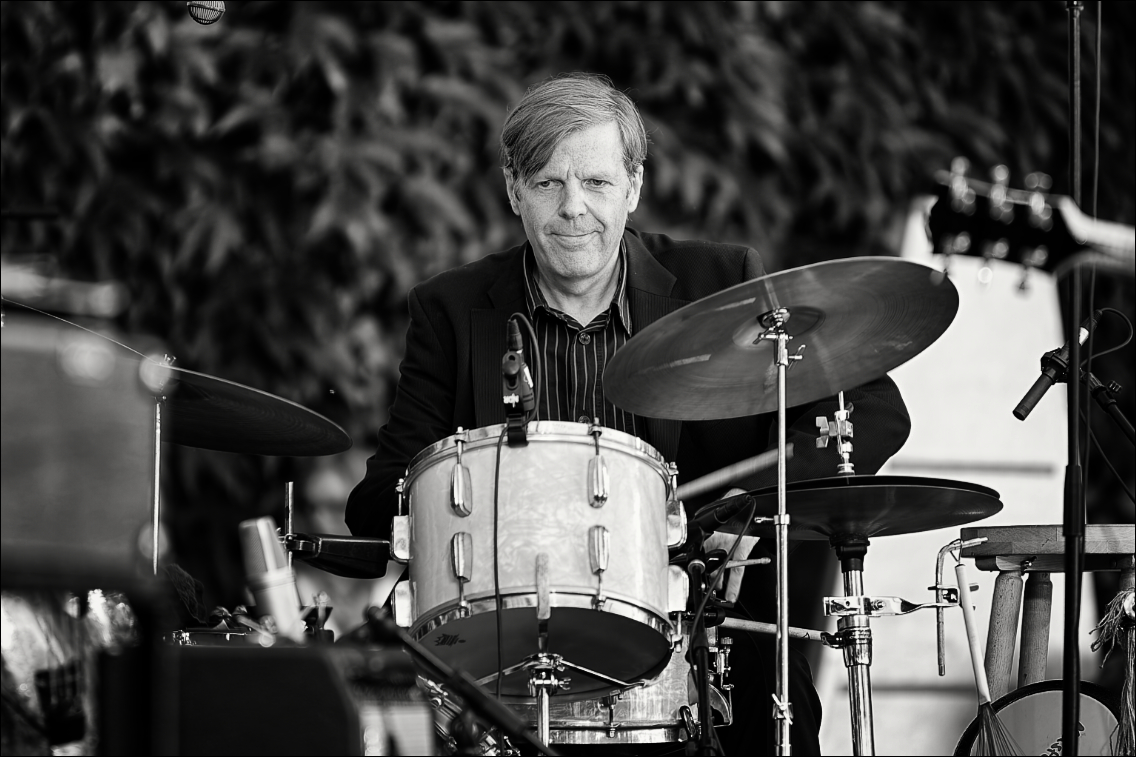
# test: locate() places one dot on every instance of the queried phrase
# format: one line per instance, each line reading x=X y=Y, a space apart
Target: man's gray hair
x=561 y=106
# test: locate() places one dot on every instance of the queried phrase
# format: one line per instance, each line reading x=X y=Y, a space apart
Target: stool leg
x=1036 y=610
x=1000 y=641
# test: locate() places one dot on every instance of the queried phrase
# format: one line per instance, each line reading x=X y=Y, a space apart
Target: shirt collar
x=535 y=299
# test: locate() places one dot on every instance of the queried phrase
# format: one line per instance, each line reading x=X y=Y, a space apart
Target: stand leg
x=1002 y=636
x=1036 y=610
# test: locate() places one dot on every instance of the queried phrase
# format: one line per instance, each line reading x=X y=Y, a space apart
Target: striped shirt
x=574 y=356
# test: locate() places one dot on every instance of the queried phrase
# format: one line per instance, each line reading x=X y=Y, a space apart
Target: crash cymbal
x=211 y=413
x=861 y=506
x=856 y=320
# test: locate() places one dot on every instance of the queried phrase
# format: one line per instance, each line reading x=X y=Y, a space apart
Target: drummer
x=573 y=152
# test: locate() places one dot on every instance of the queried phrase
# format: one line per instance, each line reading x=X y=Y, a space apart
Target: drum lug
x=597 y=470
x=461 y=562
x=676 y=524
x=678 y=587
x=402 y=603
x=599 y=552
x=400 y=539
x=461 y=486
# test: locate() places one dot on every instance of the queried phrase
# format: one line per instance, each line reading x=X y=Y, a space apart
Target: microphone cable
x=498 y=601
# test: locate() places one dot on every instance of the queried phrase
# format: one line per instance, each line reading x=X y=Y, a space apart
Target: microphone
x=205 y=12
x=1054 y=365
x=516 y=385
x=270 y=578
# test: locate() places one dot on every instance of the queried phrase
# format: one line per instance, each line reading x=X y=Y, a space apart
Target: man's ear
x=512 y=188
x=636 y=188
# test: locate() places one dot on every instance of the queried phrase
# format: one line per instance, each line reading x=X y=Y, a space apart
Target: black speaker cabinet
x=77 y=450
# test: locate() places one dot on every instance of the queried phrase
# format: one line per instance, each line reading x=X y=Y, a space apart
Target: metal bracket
x=400 y=539
x=875 y=607
x=461 y=485
x=599 y=553
x=598 y=478
x=461 y=562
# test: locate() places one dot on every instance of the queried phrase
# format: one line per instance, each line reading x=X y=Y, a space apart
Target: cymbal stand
x=855 y=639
x=157 y=381
x=774 y=322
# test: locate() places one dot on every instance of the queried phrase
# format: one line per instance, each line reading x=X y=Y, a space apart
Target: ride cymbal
x=853 y=320
x=855 y=506
x=211 y=413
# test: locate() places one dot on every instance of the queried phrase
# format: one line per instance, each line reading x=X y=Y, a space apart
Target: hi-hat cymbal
x=856 y=318
x=211 y=413
x=855 y=506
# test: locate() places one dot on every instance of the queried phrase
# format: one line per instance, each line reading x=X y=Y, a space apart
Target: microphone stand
x=700 y=647
x=1073 y=528
x=475 y=697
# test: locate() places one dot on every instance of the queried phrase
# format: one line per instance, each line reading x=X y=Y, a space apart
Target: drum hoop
x=1087 y=689
x=443 y=614
x=544 y=431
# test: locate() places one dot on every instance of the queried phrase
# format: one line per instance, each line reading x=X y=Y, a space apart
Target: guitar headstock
x=991 y=220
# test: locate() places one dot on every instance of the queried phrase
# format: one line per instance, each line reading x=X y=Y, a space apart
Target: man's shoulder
x=701 y=265
x=472 y=279
x=664 y=246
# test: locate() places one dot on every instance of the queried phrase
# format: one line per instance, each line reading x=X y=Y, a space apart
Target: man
x=572 y=152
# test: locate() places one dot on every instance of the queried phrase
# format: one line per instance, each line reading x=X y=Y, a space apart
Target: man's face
x=575 y=207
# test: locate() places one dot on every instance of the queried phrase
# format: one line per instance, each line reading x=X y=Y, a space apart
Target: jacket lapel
x=649 y=286
x=487 y=341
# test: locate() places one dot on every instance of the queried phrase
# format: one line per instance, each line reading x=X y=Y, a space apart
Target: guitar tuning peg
x=962 y=194
x=1041 y=214
x=1038 y=182
x=1001 y=207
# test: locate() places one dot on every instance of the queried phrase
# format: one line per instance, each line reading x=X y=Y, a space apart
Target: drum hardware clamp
x=841 y=430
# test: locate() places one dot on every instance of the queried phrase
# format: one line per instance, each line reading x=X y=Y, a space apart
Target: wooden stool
x=1014 y=551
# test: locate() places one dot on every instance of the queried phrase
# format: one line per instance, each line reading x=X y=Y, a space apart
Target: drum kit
x=548 y=572
x=543 y=569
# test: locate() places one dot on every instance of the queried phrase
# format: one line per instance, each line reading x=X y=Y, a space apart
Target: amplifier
x=77 y=450
x=321 y=699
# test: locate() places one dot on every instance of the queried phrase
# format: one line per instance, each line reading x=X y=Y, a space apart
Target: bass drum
x=1032 y=716
x=583 y=525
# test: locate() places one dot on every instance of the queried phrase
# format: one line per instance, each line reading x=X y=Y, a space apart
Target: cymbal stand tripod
x=774 y=322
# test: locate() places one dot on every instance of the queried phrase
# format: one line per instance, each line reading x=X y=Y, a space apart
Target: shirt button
x=585 y=338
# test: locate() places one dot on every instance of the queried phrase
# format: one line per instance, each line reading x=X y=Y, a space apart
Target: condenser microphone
x=270 y=578
x=516 y=386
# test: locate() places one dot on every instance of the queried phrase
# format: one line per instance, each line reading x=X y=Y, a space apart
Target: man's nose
x=572 y=203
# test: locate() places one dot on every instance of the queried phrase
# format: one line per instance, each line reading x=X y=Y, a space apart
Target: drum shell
x=544 y=494
x=545 y=507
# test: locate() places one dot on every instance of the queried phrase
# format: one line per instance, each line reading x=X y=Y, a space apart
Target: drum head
x=1032 y=716
x=631 y=651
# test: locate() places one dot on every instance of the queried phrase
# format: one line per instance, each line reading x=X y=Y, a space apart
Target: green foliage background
x=269 y=188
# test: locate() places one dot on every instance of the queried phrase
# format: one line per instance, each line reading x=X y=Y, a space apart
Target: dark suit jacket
x=451 y=375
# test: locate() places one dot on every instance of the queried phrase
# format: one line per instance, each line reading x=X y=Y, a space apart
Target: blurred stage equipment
x=206 y=12
x=270 y=578
x=76 y=451
x=240 y=698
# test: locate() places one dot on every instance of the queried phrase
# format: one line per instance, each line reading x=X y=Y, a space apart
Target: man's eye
x=544 y=184
x=598 y=182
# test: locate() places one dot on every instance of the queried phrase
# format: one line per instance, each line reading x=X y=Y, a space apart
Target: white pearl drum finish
x=546 y=507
